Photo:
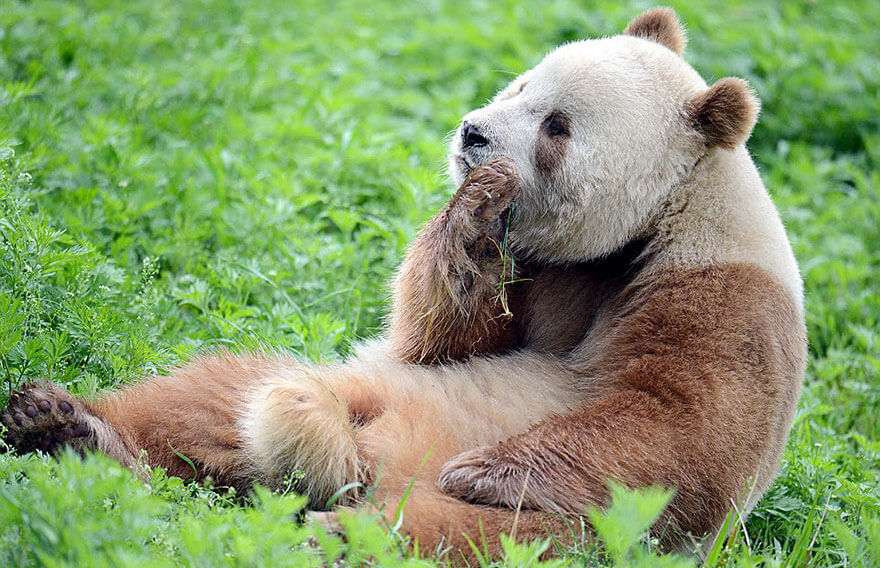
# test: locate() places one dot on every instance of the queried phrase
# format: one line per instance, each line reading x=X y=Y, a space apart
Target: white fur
x=633 y=157
x=724 y=214
x=284 y=417
x=290 y=423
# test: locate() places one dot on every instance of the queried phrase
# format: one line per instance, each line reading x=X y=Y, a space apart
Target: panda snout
x=472 y=136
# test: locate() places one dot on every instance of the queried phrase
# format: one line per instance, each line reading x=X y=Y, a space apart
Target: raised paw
x=481 y=476
x=42 y=416
x=486 y=195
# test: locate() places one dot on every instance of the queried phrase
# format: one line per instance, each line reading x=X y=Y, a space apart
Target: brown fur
x=440 y=523
x=659 y=25
x=550 y=150
x=703 y=368
x=449 y=301
x=193 y=412
x=430 y=324
x=697 y=373
x=726 y=113
x=562 y=302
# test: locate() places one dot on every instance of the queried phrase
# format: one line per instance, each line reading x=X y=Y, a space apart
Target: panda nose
x=471 y=136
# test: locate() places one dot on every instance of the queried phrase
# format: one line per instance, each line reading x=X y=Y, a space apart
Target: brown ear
x=726 y=113
x=659 y=25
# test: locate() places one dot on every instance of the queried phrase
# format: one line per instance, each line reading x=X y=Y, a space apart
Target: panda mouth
x=468 y=168
x=463 y=163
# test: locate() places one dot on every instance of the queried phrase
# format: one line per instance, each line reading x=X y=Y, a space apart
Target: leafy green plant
x=624 y=526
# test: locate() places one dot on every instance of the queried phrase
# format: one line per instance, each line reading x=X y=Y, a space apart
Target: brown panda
x=609 y=295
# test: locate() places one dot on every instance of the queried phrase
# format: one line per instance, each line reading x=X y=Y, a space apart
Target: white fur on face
x=629 y=144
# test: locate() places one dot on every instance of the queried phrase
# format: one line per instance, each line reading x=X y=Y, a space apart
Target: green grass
x=178 y=176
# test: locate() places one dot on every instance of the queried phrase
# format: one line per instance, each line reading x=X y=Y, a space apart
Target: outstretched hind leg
x=239 y=420
x=43 y=416
x=187 y=423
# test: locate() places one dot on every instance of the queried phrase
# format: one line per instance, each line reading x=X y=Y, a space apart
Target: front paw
x=482 y=476
x=485 y=197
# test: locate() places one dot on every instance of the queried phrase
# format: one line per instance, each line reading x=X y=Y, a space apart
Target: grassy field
x=181 y=176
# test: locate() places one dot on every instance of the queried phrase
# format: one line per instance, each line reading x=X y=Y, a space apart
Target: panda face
x=599 y=135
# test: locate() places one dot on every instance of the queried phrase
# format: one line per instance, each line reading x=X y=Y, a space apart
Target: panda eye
x=556 y=124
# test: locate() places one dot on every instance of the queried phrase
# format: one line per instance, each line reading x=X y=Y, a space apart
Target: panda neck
x=723 y=214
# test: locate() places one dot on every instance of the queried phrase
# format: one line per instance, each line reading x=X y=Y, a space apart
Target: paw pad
x=45 y=417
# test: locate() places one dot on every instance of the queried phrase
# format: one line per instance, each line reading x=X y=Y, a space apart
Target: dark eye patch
x=556 y=124
x=552 y=143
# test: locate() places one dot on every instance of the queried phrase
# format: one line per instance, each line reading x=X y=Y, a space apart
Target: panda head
x=600 y=133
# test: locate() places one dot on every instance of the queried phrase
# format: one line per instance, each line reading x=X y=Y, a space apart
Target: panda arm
x=695 y=390
x=452 y=295
x=566 y=463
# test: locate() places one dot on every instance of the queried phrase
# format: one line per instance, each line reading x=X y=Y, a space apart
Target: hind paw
x=42 y=416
